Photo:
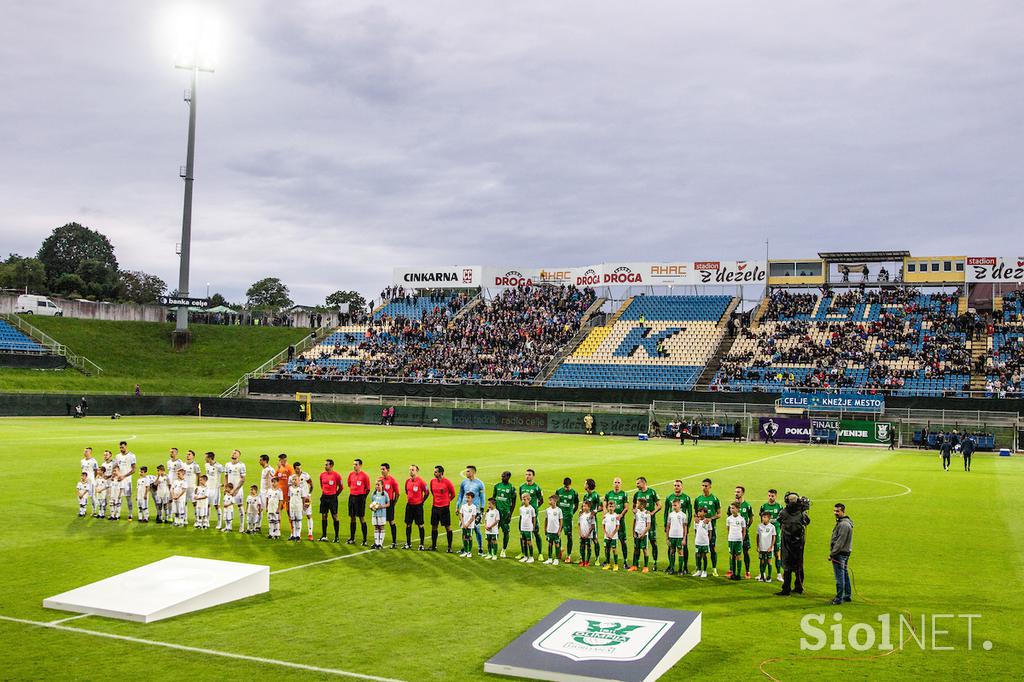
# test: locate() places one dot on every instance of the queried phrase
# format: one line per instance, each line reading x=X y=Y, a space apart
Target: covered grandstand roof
x=863 y=256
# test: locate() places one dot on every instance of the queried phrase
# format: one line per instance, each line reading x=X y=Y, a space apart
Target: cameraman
x=793 y=520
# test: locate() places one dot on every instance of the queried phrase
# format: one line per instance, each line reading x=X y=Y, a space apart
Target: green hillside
x=140 y=352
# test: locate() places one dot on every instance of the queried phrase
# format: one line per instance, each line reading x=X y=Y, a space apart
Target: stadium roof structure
x=863 y=256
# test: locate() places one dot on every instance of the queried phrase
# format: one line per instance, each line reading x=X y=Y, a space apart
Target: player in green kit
x=619 y=498
x=531 y=487
x=712 y=512
x=686 y=507
x=504 y=501
x=772 y=507
x=568 y=502
x=747 y=512
x=590 y=495
x=648 y=495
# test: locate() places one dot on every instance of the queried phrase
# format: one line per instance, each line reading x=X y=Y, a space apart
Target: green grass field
x=141 y=352
x=926 y=542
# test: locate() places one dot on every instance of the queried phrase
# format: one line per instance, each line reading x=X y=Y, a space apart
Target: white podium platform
x=166 y=588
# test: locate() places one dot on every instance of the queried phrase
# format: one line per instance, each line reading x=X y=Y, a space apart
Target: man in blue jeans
x=839 y=553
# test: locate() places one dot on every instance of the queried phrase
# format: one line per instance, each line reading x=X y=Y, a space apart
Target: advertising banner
x=863 y=432
x=448 y=277
x=995 y=269
x=730 y=272
x=833 y=402
x=617 y=274
x=785 y=428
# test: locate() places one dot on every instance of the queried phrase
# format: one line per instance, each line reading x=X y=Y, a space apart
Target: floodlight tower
x=195 y=62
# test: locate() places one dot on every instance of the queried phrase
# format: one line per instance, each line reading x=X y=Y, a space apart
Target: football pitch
x=927 y=544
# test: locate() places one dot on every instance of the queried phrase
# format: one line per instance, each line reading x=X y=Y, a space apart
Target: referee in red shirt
x=358 y=489
x=415 y=492
x=330 y=489
x=443 y=492
x=391 y=489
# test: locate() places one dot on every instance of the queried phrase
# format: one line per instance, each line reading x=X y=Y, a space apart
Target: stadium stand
x=1003 y=364
x=652 y=342
x=13 y=341
x=894 y=339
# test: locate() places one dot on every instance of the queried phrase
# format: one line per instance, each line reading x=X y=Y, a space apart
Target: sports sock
x=449 y=534
x=433 y=538
x=568 y=545
x=746 y=560
x=352 y=529
x=362 y=524
x=422 y=531
x=323 y=527
x=337 y=525
x=714 y=558
x=408 y=535
x=685 y=561
x=671 y=559
x=636 y=556
x=504 y=539
x=394 y=534
x=645 y=561
x=607 y=555
x=654 y=551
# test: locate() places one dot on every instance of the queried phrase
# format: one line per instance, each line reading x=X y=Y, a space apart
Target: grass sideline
x=925 y=542
x=141 y=352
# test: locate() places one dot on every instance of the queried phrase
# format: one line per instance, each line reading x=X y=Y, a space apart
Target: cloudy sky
x=339 y=139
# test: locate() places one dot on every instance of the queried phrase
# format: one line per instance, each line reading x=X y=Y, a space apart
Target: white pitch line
x=64 y=620
x=732 y=466
x=199 y=650
x=323 y=561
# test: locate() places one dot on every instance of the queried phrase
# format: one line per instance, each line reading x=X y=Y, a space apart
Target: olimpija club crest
x=585 y=636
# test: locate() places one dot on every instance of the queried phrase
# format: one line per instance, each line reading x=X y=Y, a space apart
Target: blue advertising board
x=833 y=402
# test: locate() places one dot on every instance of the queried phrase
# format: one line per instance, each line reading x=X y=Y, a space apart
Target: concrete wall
x=129 y=312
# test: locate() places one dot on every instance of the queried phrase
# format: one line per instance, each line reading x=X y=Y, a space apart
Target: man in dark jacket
x=946 y=450
x=839 y=553
x=793 y=520
x=967 y=449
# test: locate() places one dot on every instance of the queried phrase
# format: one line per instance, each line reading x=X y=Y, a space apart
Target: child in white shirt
x=702 y=542
x=766 y=547
x=100 y=493
x=179 y=503
x=295 y=507
x=527 y=524
x=201 y=496
x=675 y=526
x=228 y=507
x=142 y=489
x=253 y=506
x=272 y=503
x=587 y=540
x=467 y=521
x=611 y=536
x=491 y=520
x=82 y=488
x=114 y=493
x=162 y=496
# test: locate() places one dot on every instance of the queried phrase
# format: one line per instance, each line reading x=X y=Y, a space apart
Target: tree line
x=75 y=261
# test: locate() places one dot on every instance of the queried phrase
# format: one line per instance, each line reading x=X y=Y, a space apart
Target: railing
x=476 y=403
x=241 y=387
x=79 y=362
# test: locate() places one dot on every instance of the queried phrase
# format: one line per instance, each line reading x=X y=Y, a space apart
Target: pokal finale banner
x=684 y=273
x=849 y=431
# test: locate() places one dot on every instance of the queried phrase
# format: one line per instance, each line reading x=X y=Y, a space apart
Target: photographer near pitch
x=793 y=520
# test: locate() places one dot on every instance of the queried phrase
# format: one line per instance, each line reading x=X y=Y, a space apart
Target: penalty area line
x=200 y=650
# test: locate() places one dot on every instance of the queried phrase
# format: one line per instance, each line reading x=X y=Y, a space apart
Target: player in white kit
x=202 y=501
x=266 y=483
x=214 y=472
x=82 y=489
x=114 y=494
x=126 y=461
x=89 y=467
x=253 y=505
x=179 y=508
x=192 y=473
x=272 y=503
x=307 y=507
x=142 y=490
x=234 y=473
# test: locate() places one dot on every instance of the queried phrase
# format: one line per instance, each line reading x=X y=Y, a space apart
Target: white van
x=31 y=304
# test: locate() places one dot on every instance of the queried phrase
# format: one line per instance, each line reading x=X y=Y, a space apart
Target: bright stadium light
x=194 y=31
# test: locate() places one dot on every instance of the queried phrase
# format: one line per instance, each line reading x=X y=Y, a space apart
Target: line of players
x=106 y=486
x=180 y=483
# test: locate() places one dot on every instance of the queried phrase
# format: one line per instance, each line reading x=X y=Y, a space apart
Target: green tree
x=217 y=299
x=139 y=287
x=100 y=280
x=270 y=293
x=71 y=285
x=67 y=250
x=353 y=298
x=27 y=274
